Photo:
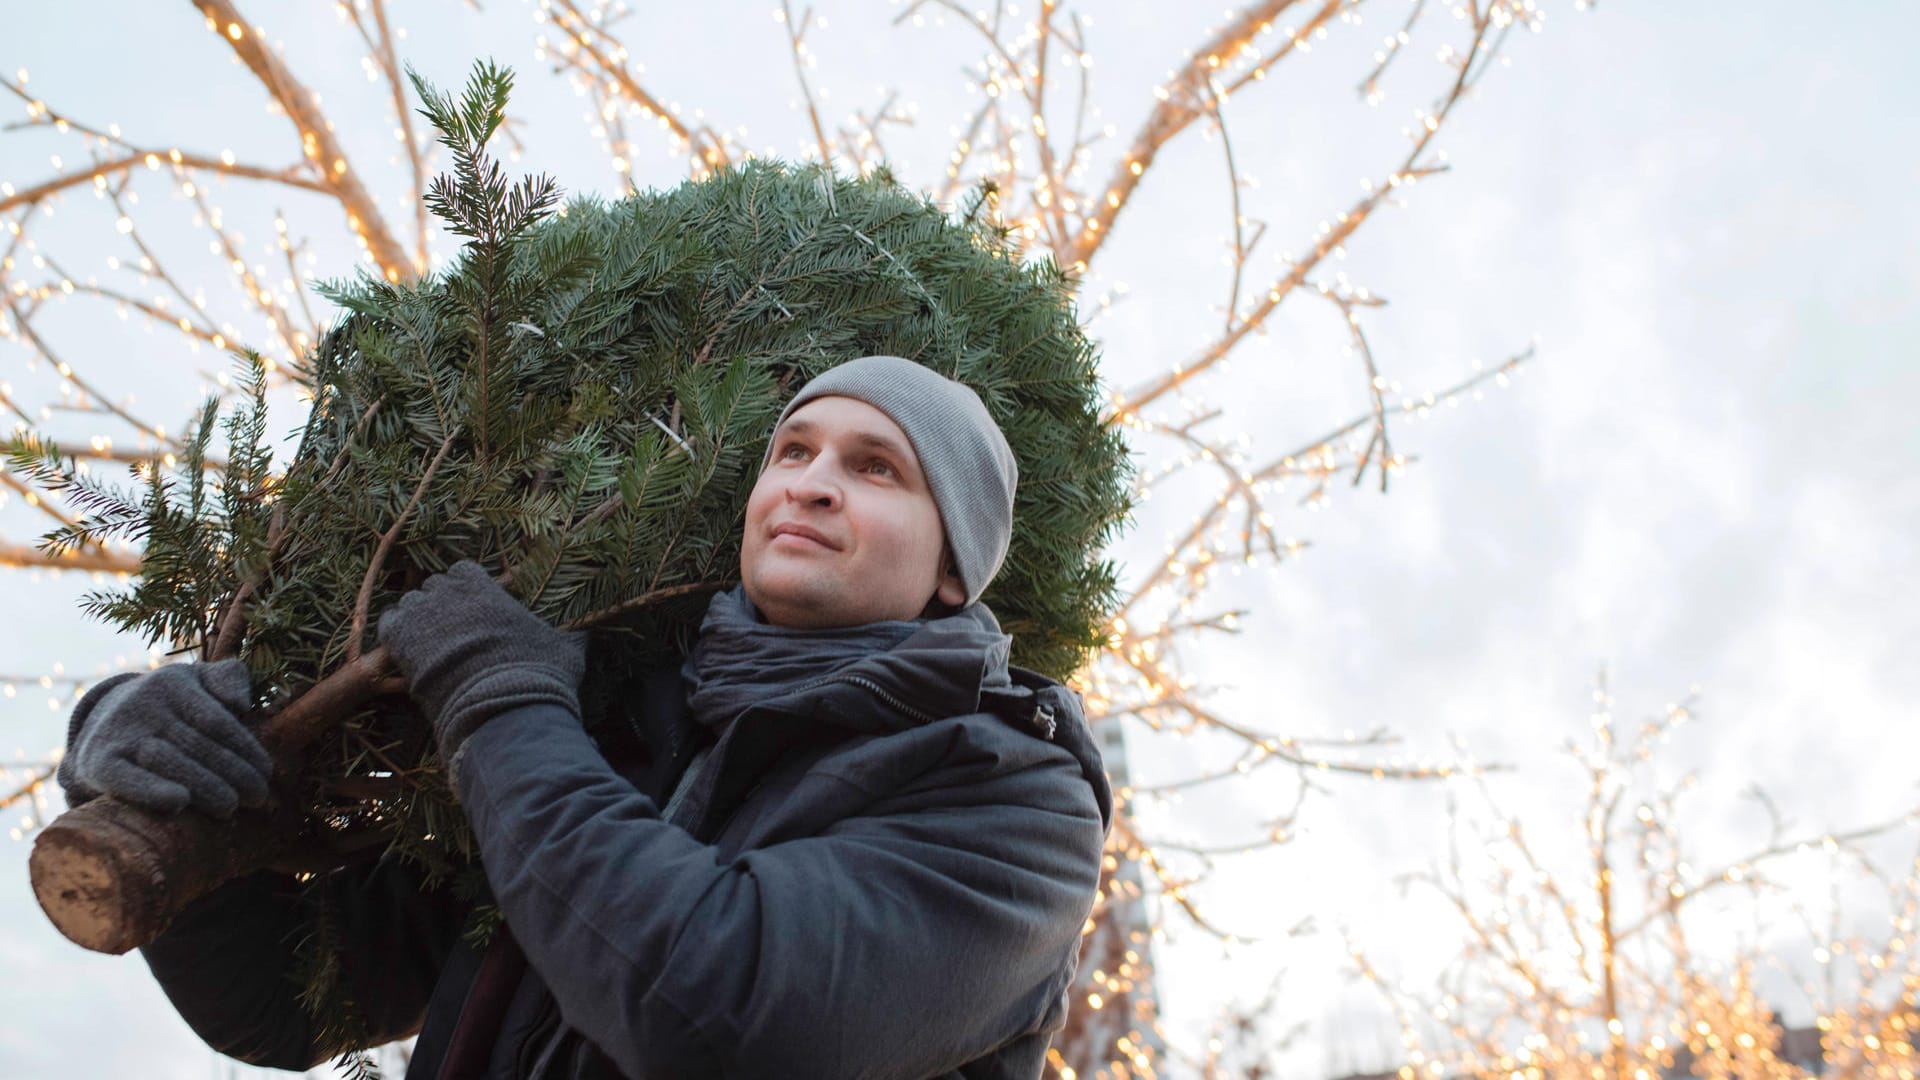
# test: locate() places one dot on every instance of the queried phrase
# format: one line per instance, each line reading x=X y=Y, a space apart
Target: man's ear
x=951 y=591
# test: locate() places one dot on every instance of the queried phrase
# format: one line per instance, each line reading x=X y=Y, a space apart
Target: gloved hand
x=470 y=652
x=167 y=740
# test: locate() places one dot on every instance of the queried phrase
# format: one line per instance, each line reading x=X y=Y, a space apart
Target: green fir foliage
x=201 y=535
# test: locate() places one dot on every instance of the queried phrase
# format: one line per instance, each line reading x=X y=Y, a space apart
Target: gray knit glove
x=470 y=652
x=168 y=740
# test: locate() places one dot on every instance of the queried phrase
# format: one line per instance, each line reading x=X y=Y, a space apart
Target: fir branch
x=106 y=512
x=476 y=202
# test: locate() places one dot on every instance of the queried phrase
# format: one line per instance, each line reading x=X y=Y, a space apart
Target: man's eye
x=792 y=450
x=881 y=468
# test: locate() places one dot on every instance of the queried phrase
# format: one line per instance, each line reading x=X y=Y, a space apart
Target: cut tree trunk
x=111 y=876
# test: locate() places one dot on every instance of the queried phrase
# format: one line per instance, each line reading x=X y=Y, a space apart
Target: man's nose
x=816 y=484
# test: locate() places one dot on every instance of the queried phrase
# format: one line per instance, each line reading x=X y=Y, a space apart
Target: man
x=858 y=844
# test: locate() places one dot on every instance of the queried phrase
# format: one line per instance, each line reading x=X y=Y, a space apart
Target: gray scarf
x=740 y=660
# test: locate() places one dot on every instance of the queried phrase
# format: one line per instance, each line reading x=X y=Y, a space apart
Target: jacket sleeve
x=228 y=962
x=903 y=942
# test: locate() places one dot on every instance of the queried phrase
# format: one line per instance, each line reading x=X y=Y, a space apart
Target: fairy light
x=1673 y=1010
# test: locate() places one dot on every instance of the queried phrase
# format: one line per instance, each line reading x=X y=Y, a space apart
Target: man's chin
x=802 y=605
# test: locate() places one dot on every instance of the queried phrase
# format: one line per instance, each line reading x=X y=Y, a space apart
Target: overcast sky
x=1701 y=213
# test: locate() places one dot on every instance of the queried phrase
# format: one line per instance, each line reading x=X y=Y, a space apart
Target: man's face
x=841 y=528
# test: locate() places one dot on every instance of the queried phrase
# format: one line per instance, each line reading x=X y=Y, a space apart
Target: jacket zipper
x=864 y=683
x=880 y=692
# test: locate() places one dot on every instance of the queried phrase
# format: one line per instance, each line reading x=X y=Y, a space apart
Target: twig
x=38 y=776
x=37 y=193
x=365 y=599
x=706 y=150
x=1369 y=87
x=157 y=314
x=23 y=324
x=1376 y=392
x=1242 y=247
x=233 y=624
x=152 y=266
x=1333 y=235
x=646 y=599
x=255 y=290
x=1036 y=93
x=796 y=33
x=293 y=271
x=1210 y=517
x=885 y=114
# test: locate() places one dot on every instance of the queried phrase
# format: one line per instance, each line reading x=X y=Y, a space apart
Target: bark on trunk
x=112 y=876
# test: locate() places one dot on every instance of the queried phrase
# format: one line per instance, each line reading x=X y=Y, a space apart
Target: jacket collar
x=940 y=671
x=941 y=668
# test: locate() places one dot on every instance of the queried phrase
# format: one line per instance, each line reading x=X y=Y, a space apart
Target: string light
x=1550 y=995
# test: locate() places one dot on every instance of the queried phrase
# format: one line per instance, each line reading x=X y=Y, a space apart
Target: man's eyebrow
x=867 y=439
x=882 y=442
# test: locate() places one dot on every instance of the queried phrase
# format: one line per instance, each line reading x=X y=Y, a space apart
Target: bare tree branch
x=102 y=169
x=33 y=558
x=605 y=62
x=1181 y=103
x=796 y=43
x=379 y=42
x=317 y=140
x=1332 y=234
x=36 y=778
x=23 y=324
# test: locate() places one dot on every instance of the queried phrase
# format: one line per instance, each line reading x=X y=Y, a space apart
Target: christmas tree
x=579 y=403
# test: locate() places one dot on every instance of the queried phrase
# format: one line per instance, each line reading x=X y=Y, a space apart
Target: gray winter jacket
x=882 y=876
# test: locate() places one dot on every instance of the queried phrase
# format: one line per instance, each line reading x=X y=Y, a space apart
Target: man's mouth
x=802 y=532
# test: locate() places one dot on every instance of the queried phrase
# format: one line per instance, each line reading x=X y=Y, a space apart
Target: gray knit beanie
x=968 y=465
